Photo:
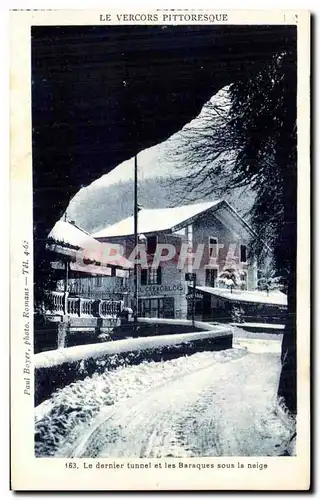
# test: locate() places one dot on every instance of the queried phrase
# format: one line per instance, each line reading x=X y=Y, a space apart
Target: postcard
x=160 y=246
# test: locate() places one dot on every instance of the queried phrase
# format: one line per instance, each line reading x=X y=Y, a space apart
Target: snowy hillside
x=162 y=178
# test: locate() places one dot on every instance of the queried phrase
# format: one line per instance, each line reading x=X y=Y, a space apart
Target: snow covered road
x=223 y=404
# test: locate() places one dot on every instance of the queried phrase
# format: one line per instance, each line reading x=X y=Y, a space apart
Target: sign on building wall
x=169 y=289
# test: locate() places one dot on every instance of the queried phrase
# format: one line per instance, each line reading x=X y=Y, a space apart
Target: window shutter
x=143 y=276
x=159 y=275
x=151 y=244
x=243 y=253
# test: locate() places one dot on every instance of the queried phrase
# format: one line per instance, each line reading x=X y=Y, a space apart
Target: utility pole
x=194 y=276
x=135 y=218
x=66 y=276
x=64 y=325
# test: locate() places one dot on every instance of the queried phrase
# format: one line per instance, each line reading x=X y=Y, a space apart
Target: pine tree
x=229 y=277
x=269 y=281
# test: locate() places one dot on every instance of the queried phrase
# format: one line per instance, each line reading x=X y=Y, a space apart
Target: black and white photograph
x=161 y=284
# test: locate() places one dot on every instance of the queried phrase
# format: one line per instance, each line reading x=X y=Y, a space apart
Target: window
x=144 y=308
x=144 y=276
x=151 y=244
x=160 y=309
x=243 y=253
x=113 y=271
x=213 y=247
x=211 y=277
x=151 y=276
x=99 y=281
x=156 y=308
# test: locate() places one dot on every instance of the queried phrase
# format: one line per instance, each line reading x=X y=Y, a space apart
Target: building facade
x=180 y=249
x=79 y=265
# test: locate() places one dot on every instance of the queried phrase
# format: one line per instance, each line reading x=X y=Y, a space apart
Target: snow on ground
x=240 y=333
x=263 y=326
x=82 y=400
x=258 y=345
x=208 y=404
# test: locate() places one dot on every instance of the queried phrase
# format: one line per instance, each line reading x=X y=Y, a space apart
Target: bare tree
x=248 y=140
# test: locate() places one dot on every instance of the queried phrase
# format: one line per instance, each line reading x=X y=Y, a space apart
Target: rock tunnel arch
x=101 y=94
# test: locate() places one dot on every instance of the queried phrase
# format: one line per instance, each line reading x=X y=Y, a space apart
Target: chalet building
x=81 y=267
x=80 y=309
x=207 y=238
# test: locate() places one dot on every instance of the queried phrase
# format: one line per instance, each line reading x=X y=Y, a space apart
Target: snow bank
x=77 y=353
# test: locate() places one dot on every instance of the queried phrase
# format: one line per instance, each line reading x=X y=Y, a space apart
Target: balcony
x=81 y=307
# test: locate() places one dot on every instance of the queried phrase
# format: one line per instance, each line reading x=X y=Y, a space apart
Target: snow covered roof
x=67 y=234
x=152 y=220
x=70 y=234
x=274 y=298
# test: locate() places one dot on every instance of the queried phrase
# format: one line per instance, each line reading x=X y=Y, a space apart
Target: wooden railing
x=57 y=302
x=73 y=306
x=82 y=307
